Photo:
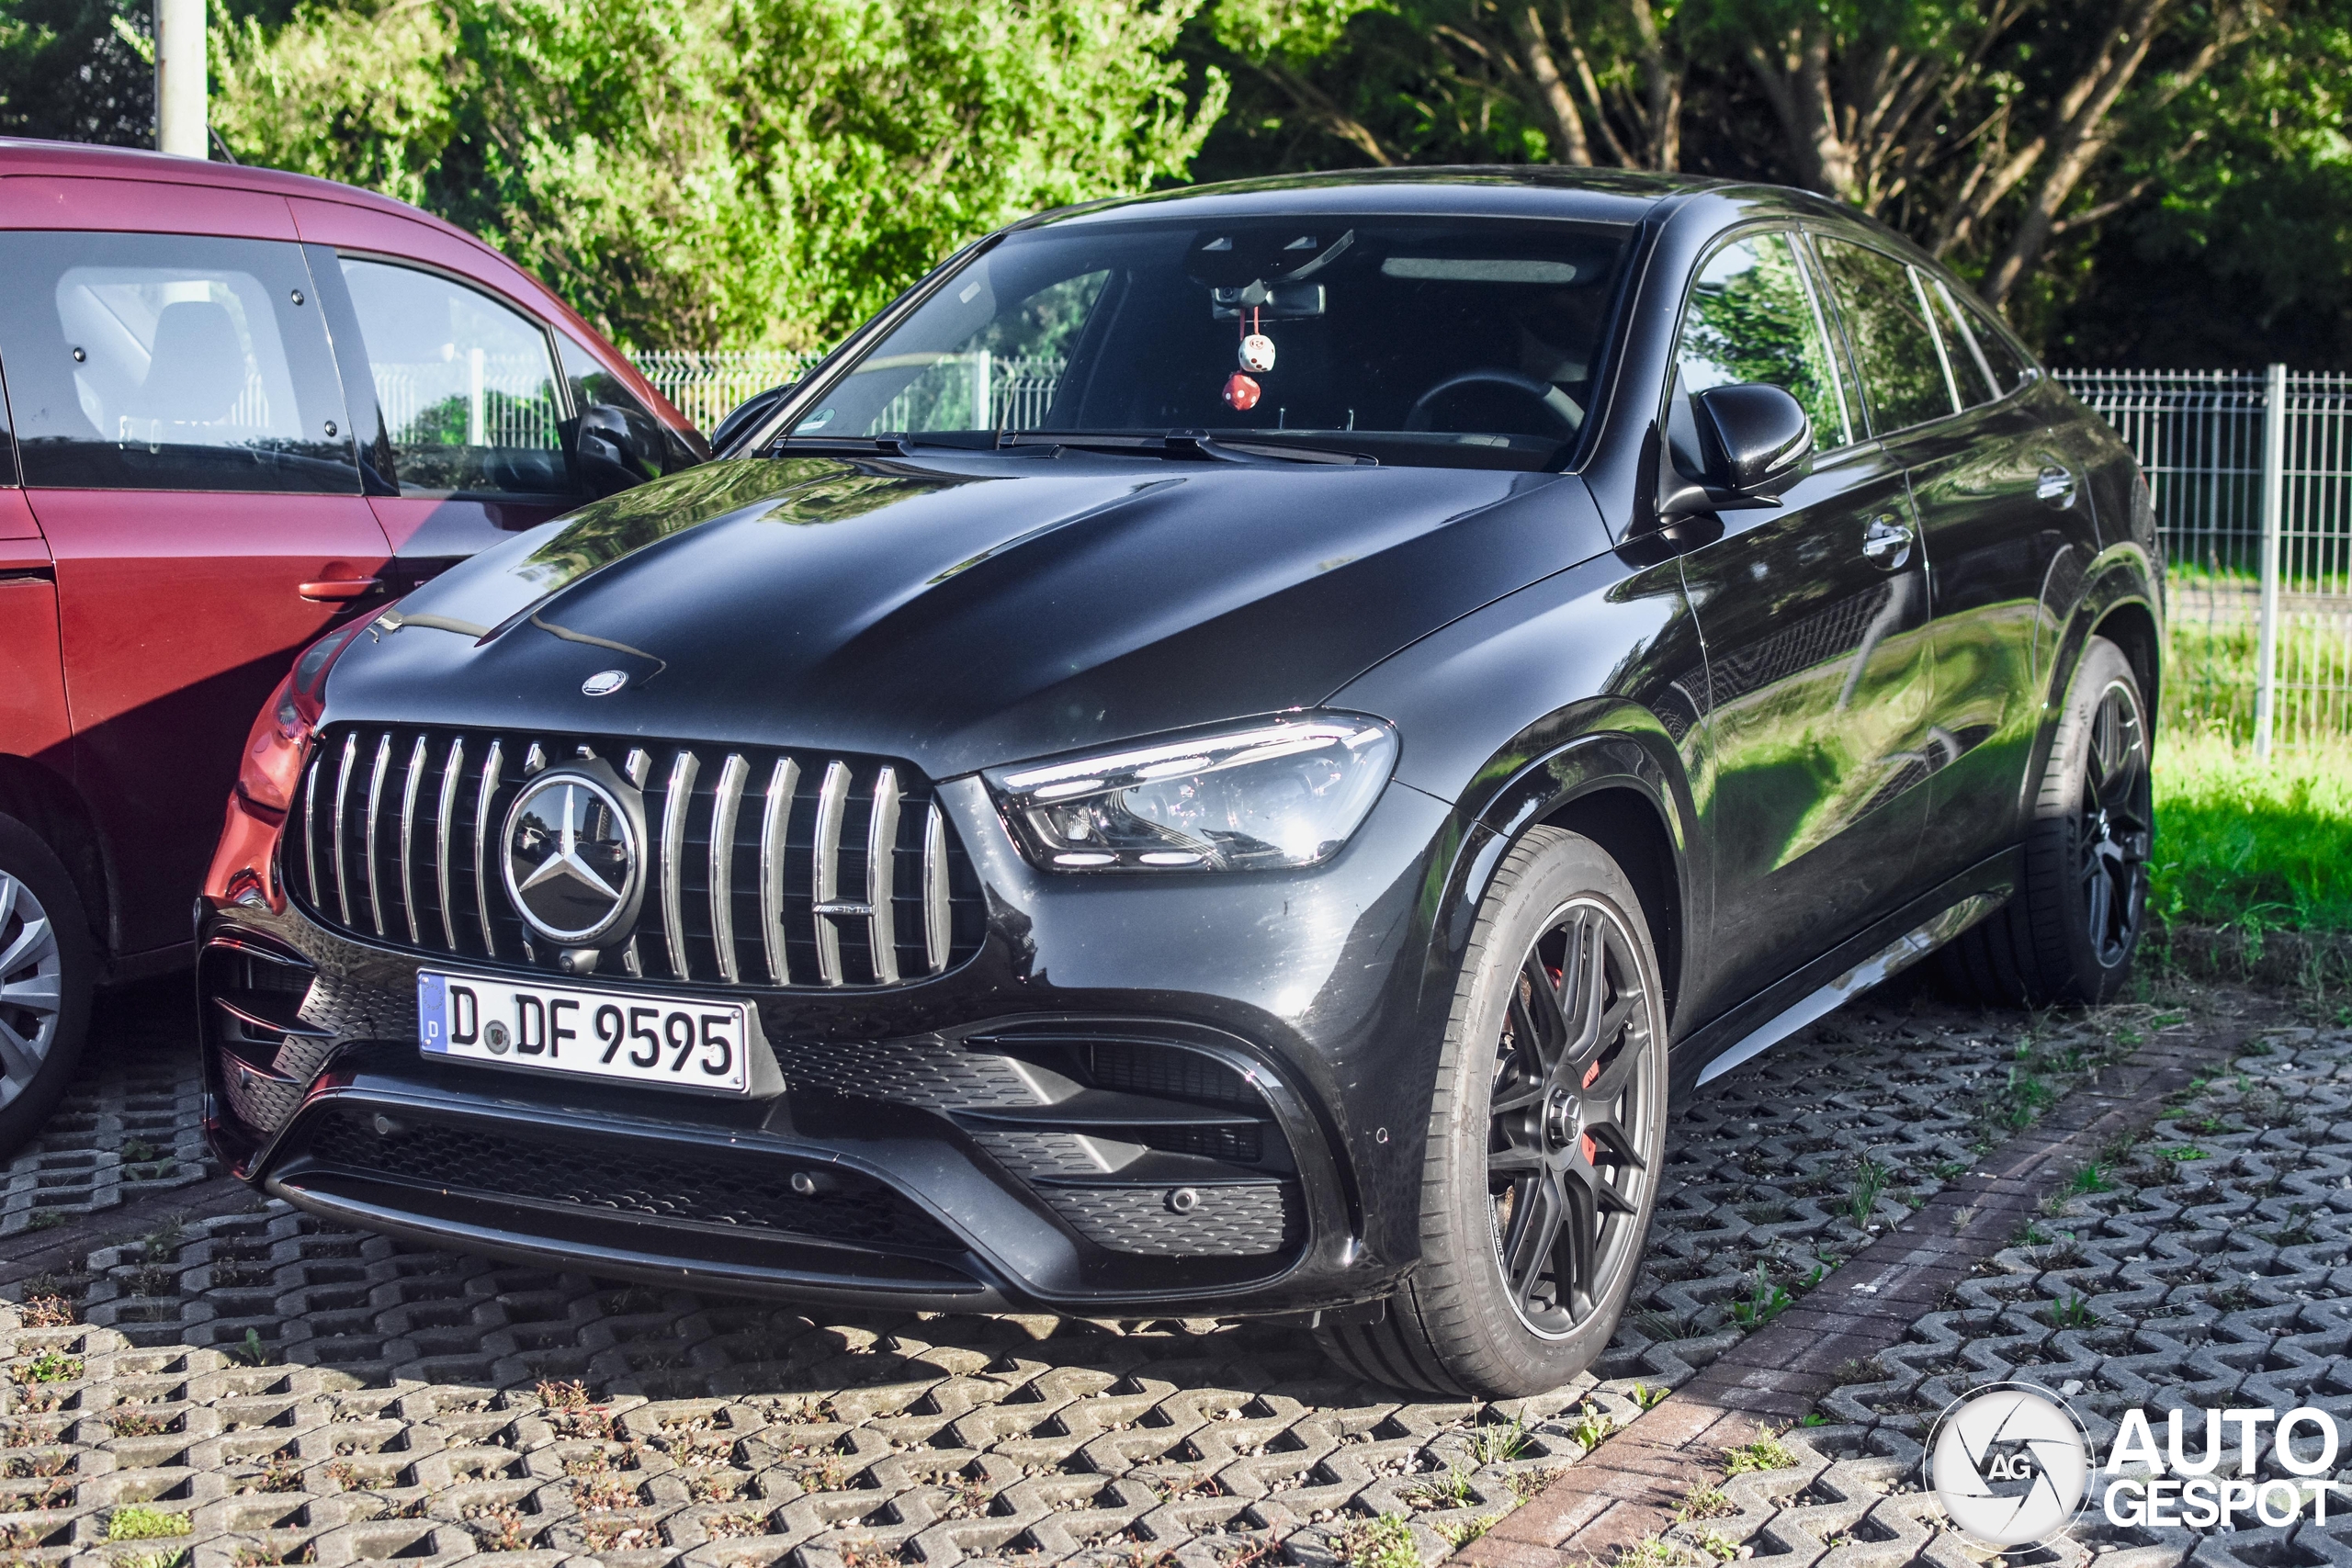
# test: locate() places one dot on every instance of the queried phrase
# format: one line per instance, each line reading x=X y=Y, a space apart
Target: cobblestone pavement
x=260 y=1388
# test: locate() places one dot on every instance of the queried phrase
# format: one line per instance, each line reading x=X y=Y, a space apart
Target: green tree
x=77 y=70
x=695 y=173
x=2001 y=134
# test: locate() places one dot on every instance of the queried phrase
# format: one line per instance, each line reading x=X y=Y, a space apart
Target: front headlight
x=1284 y=791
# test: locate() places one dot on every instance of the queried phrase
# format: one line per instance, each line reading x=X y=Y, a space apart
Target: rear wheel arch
x=53 y=810
x=2131 y=626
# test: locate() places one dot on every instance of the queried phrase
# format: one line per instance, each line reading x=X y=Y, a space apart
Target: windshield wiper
x=1189 y=446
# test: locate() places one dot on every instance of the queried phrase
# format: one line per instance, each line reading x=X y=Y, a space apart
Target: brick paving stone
x=301 y=1391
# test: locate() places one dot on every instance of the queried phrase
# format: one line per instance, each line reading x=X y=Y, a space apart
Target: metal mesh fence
x=2251 y=473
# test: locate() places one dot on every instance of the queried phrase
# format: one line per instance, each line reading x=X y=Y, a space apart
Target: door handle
x=2054 y=486
x=1886 y=543
x=339 y=588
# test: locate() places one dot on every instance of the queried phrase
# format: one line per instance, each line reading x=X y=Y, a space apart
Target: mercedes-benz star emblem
x=604 y=683
x=571 y=857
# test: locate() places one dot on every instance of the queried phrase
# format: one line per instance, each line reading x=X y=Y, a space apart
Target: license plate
x=680 y=1042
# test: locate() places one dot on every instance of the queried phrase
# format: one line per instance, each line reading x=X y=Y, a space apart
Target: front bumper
x=1195 y=1096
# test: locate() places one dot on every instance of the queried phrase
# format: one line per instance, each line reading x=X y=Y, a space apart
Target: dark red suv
x=241 y=405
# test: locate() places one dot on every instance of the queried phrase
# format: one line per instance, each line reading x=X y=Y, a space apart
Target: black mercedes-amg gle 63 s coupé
x=1229 y=754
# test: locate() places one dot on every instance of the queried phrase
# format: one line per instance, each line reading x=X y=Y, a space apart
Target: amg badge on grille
x=571 y=856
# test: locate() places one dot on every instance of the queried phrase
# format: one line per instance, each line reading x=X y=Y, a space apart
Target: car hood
x=958 y=613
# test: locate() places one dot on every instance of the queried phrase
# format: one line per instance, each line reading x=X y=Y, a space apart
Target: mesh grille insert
x=640 y=1179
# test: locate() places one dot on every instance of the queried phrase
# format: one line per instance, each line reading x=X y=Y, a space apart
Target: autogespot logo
x=2010 y=1463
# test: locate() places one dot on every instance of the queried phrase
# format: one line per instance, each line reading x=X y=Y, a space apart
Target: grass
x=1382 y=1542
x=2262 y=847
x=137 y=1522
x=1869 y=1182
x=1767 y=1452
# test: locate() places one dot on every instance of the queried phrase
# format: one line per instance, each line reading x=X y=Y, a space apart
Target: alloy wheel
x=31 y=986
x=2117 y=823
x=1571 y=1113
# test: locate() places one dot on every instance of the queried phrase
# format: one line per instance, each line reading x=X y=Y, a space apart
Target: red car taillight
x=266 y=777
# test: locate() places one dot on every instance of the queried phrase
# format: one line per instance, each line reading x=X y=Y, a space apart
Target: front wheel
x=1546 y=1138
x=2069 y=933
x=47 y=966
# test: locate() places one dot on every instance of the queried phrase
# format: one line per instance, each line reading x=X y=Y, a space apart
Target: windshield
x=1448 y=341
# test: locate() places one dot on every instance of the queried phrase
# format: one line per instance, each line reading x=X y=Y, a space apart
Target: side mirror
x=748 y=413
x=1729 y=448
x=612 y=452
x=1755 y=438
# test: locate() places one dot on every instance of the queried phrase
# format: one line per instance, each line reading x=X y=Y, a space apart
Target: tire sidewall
x=25 y=856
x=1568 y=868
x=2103 y=665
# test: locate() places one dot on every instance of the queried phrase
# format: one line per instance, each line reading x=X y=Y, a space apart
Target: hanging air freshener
x=1242 y=391
x=1258 y=353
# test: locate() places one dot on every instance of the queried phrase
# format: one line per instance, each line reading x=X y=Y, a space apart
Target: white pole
x=180 y=86
x=2274 y=507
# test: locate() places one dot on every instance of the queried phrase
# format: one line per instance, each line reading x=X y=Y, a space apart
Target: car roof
x=1513 y=190
x=25 y=155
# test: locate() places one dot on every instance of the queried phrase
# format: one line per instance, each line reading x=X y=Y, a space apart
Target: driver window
x=1753 y=317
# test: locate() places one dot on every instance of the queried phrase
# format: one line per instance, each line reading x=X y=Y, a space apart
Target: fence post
x=2274 y=507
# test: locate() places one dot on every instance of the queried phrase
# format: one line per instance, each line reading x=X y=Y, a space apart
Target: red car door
x=466 y=397
x=187 y=450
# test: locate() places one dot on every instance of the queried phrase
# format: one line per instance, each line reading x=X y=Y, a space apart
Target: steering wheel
x=1557 y=404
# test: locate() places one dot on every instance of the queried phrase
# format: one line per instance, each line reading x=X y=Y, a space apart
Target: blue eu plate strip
x=433 y=1011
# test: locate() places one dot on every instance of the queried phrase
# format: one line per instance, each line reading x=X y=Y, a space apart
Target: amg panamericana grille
x=764 y=867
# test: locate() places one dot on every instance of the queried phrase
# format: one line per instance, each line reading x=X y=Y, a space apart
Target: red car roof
x=25 y=158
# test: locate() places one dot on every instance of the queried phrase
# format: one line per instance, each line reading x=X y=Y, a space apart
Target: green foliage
x=691 y=174
x=49 y=1365
x=1767 y=1452
x=1767 y=1301
x=2243 y=844
x=79 y=70
x=138 y=1522
x=1500 y=1442
x=1871 y=1177
x=2072 y=1310
x=1382 y=1542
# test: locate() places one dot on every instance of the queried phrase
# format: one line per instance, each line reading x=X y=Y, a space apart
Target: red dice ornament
x=1242 y=391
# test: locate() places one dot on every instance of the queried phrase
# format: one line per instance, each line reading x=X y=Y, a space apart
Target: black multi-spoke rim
x=2118 y=825
x=1572 y=1115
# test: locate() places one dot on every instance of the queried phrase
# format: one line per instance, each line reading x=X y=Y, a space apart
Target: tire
x=1581 y=1136
x=47 y=965
x=2069 y=932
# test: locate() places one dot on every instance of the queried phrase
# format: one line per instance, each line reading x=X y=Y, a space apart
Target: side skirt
x=1870 y=960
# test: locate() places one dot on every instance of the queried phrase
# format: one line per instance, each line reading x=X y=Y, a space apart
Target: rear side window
x=465 y=388
x=1886 y=323
x=1752 y=317
x=170 y=362
x=1970 y=375
x=2009 y=369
